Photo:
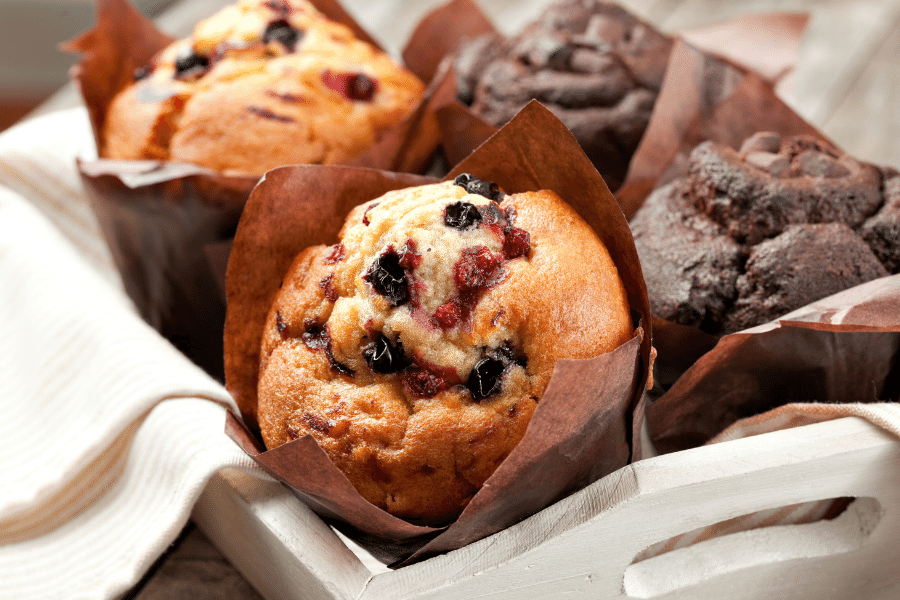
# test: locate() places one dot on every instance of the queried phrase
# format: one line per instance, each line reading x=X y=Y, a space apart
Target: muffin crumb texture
x=750 y=235
x=262 y=83
x=416 y=350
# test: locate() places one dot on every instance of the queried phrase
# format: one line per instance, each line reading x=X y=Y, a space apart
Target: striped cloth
x=109 y=433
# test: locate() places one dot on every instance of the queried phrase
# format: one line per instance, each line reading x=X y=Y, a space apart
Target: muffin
x=744 y=237
x=262 y=83
x=597 y=67
x=416 y=350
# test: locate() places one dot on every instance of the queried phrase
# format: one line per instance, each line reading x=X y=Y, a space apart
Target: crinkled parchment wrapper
x=703 y=97
x=844 y=348
x=767 y=43
x=158 y=217
x=585 y=422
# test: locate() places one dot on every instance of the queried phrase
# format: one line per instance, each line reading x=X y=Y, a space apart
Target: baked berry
x=448 y=315
x=516 y=243
x=281 y=31
x=337 y=254
x=188 y=63
x=461 y=215
x=388 y=278
x=352 y=86
x=473 y=185
x=476 y=269
x=484 y=380
x=427 y=381
x=384 y=357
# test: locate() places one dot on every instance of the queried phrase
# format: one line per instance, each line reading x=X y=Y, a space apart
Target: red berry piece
x=409 y=256
x=337 y=254
x=352 y=86
x=423 y=380
x=516 y=243
x=448 y=315
x=476 y=269
x=365 y=219
x=327 y=285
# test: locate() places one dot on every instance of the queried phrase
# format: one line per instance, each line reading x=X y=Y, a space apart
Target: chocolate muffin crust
x=596 y=66
x=749 y=235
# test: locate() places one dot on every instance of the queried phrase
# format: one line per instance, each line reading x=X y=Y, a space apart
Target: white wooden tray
x=584 y=546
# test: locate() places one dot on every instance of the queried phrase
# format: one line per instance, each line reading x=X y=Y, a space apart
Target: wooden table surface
x=847 y=83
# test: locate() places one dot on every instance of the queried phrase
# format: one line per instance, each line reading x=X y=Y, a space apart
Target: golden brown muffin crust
x=417 y=439
x=273 y=83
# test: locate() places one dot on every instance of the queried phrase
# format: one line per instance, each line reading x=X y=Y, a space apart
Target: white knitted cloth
x=109 y=434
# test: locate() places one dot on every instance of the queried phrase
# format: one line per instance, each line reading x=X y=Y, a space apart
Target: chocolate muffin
x=417 y=348
x=262 y=83
x=597 y=67
x=744 y=237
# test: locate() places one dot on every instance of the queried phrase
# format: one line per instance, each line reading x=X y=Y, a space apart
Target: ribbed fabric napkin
x=109 y=434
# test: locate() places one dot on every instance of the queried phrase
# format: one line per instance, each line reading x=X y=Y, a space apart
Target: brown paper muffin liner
x=702 y=98
x=159 y=216
x=844 y=348
x=584 y=425
x=767 y=44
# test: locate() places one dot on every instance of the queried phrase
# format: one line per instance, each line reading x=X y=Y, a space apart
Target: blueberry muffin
x=260 y=84
x=744 y=237
x=597 y=67
x=416 y=350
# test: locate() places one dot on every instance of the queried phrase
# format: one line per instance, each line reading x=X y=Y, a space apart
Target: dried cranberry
x=516 y=243
x=473 y=185
x=388 y=278
x=189 y=63
x=352 y=86
x=280 y=324
x=448 y=315
x=409 y=256
x=384 y=357
x=281 y=31
x=484 y=380
x=365 y=219
x=337 y=254
x=461 y=215
x=327 y=285
x=427 y=381
x=142 y=72
x=476 y=269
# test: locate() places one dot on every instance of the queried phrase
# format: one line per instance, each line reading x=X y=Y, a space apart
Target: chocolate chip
x=188 y=63
x=388 y=278
x=282 y=32
x=461 y=215
x=484 y=380
x=142 y=72
x=473 y=185
x=385 y=357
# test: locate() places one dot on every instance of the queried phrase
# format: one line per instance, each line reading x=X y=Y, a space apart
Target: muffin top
x=748 y=235
x=596 y=66
x=416 y=350
x=260 y=84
